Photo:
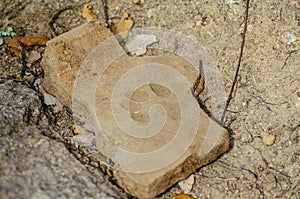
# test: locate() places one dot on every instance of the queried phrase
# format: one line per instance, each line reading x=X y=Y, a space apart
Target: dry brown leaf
x=267 y=139
x=79 y=130
x=109 y=173
x=182 y=196
x=14 y=42
x=29 y=41
x=123 y=27
x=88 y=13
x=74 y=129
x=15 y=51
x=15 y=47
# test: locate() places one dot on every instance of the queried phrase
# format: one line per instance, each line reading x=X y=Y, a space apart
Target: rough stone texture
x=63 y=57
x=143 y=177
x=35 y=166
x=38 y=167
x=20 y=109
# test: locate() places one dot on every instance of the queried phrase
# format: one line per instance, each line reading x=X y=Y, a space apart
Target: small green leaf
x=12 y=34
x=10 y=29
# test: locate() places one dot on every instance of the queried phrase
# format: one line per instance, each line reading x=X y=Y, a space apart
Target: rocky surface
x=20 y=109
x=38 y=167
x=33 y=165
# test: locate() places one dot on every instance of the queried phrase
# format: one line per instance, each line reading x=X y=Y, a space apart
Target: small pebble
x=138 y=1
x=33 y=56
x=187 y=185
x=149 y=13
x=198 y=23
x=137 y=45
x=289 y=38
x=267 y=139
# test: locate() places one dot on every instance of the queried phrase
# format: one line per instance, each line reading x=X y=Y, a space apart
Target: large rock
x=141 y=109
x=35 y=166
x=39 y=167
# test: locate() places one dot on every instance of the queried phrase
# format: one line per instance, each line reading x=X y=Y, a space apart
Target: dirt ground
x=267 y=98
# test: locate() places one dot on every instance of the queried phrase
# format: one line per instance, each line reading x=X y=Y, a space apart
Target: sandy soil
x=267 y=98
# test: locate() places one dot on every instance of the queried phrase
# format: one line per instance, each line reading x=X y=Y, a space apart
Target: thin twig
x=286 y=59
x=104 y=7
x=219 y=178
x=294 y=128
x=230 y=97
x=23 y=60
x=238 y=169
x=55 y=16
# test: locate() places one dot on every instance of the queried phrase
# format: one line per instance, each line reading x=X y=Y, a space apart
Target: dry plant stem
x=104 y=7
x=230 y=96
x=23 y=60
x=55 y=16
x=238 y=169
x=286 y=59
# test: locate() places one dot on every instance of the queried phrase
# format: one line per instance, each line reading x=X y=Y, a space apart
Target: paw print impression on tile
x=149 y=97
